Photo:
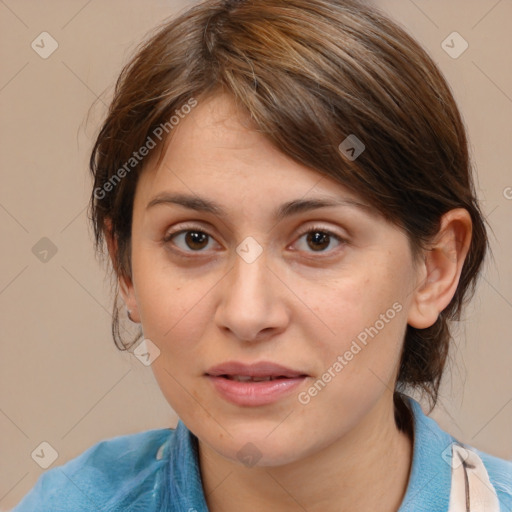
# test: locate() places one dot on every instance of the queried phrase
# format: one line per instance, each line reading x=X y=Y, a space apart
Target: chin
x=252 y=446
x=260 y=453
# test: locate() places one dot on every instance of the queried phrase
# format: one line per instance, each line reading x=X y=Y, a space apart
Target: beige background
x=61 y=378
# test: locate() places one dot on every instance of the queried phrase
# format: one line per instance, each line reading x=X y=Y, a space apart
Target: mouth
x=255 y=384
x=257 y=372
x=248 y=378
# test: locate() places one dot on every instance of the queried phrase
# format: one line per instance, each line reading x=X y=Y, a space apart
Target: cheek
x=346 y=305
x=174 y=316
x=365 y=322
x=358 y=364
x=172 y=303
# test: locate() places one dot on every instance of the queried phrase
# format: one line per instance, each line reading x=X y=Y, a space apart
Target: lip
x=254 y=393
x=260 y=369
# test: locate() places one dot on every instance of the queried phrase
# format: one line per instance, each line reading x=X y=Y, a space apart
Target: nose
x=252 y=306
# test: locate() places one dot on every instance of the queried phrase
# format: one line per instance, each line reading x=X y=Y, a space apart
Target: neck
x=374 y=456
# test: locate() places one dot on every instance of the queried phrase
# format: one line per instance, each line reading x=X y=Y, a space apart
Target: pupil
x=196 y=239
x=323 y=237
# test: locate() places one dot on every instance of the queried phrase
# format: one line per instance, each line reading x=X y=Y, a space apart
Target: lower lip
x=254 y=393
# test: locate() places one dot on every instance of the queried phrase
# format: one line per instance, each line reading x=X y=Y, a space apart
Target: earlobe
x=439 y=273
x=128 y=295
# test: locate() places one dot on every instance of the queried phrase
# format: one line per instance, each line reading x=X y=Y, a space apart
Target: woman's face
x=324 y=292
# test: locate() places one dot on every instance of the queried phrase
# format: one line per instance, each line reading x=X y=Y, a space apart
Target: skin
x=299 y=304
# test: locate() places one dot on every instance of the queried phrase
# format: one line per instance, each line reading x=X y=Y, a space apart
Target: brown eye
x=189 y=240
x=319 y=240
x=196 y=239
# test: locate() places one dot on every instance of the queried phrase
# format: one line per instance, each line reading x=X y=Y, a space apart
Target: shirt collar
x=428 y=488
x=184 y=476
x=430 y=477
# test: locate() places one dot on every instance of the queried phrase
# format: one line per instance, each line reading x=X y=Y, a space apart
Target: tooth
x=247 y=378
x=242 y=378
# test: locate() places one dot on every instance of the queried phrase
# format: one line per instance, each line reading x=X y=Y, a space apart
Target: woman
x=285 y=192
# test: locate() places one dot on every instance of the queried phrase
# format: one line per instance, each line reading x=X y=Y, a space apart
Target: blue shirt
x=158 y=470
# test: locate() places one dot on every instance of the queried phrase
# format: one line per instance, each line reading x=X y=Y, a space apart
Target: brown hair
x=309 y=73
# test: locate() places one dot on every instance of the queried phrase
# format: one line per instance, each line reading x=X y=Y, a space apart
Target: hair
x=309 y=73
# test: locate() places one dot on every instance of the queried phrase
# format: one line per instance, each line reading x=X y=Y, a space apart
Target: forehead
x=216 y=150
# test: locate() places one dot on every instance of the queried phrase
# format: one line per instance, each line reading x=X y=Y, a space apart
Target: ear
x=439 y=273
x=125 y=283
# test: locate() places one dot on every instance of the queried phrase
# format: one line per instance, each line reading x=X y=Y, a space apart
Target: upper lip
x=260 y=369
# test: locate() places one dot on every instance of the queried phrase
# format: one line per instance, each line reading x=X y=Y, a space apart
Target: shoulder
x=109 y=471
x=431 y=471
x=500 y=476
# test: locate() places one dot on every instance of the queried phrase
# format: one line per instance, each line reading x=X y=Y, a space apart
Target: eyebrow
x=285 y=210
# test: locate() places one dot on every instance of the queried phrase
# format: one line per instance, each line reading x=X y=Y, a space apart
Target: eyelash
x=313 y=229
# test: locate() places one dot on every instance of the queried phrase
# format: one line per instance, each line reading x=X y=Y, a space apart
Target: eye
x=319 y=239
x=189 y=240
x=194 y=239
